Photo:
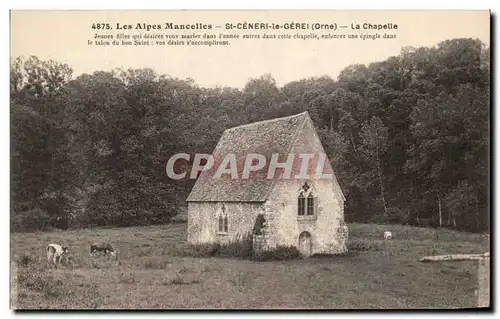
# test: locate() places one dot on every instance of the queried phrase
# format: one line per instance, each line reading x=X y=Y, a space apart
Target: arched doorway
x=305 y=244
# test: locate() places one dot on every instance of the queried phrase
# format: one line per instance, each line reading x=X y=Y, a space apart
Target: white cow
x=387 y=235
x=55 y=253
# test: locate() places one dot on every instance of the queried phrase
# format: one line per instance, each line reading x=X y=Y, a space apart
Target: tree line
x=407 y=136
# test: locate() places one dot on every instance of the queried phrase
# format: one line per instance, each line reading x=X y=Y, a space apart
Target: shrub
x=242 y=247
x=200 y=250
x=259 y=224
x=279 y=253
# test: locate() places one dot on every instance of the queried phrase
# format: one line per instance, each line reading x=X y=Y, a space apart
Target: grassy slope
x=147 y=274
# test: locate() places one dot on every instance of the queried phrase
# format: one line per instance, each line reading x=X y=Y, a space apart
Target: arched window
x=223 y=222
x=302 y=204
x=306 y=201
x=225 y=226
x=310 y=204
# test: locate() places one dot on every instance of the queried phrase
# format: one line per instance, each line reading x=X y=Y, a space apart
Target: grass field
x=148 y=273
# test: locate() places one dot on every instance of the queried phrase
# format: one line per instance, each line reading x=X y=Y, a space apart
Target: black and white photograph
x=246 y=160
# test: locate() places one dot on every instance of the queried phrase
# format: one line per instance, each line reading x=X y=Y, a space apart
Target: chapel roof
x=263 y=137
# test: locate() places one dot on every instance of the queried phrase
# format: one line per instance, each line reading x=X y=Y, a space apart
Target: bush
x=259 y=224
x=279 y=253
x=201 y=250
x=242 y=247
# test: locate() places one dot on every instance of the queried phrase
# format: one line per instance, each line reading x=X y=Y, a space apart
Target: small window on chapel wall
x=223 y=224
x=306 y=201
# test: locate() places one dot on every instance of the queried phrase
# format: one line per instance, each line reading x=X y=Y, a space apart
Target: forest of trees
x=408 y=138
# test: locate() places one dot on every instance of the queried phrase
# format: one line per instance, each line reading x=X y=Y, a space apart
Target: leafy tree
x=374 y=138
x=408 y=137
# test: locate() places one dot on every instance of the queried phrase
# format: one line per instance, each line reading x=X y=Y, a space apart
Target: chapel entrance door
x=305 y=244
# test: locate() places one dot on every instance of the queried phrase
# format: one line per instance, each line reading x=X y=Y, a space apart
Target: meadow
x=150 y=272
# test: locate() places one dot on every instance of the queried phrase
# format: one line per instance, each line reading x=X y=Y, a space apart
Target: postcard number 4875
x=101 y=26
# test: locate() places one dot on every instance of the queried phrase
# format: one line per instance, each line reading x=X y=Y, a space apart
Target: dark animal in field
x=102 y=247
x=55 y=253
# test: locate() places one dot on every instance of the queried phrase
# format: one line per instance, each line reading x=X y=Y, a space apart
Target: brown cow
x=104 y=247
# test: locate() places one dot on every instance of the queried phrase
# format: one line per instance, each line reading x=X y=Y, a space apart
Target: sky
x=63 y=35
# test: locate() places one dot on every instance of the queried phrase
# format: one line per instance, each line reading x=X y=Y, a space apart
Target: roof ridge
x=269 y=136
x=267 y=121
x=289 y=148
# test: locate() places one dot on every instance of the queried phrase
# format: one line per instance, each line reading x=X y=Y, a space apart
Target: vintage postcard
x=250 y=159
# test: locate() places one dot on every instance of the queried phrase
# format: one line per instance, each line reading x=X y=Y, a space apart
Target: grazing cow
x=105 y=247
x=55 y=253
x=387 y=235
